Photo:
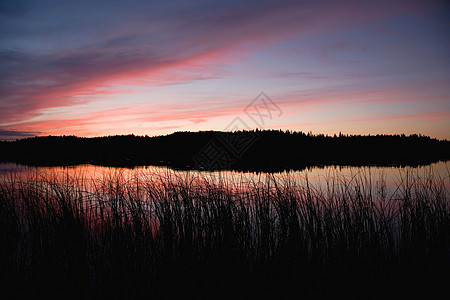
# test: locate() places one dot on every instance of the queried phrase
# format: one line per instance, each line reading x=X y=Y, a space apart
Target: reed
x=148 y=236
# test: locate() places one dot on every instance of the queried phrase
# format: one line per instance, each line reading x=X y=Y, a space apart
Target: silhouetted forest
x=251 y=150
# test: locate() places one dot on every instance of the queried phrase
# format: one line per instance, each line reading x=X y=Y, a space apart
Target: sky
x=95 y=68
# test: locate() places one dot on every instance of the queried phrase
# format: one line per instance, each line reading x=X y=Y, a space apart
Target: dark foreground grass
x=165 y=237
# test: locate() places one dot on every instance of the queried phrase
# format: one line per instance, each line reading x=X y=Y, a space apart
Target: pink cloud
x=189 y=52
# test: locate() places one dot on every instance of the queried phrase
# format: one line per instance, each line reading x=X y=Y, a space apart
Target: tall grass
x=164 y=235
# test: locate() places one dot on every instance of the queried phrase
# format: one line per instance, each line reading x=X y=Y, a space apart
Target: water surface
x=377 y=179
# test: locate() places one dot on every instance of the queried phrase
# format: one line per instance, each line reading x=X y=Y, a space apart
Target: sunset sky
x=91 y=68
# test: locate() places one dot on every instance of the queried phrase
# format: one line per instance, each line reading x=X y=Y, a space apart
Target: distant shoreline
x=268 y=150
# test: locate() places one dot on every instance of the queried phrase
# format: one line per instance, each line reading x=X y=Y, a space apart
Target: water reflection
x=320 y=178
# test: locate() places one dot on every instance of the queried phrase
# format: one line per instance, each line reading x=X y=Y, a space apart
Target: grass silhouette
x=173 y=236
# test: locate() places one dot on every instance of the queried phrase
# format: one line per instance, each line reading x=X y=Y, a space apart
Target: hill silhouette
x=269 y=150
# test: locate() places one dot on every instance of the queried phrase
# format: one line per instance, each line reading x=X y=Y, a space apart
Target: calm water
x=373 y=177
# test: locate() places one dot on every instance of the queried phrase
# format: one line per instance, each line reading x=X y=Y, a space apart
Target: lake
x=388 y=177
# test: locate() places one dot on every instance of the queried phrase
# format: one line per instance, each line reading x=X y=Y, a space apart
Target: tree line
x=251 y=150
